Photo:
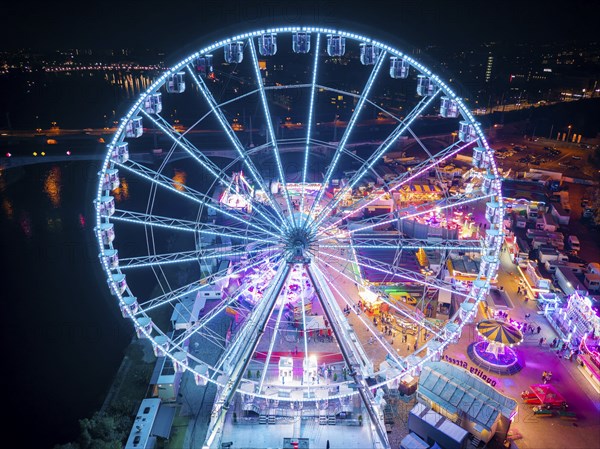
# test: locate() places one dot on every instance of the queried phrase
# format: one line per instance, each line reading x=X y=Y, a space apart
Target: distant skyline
x=180 y=26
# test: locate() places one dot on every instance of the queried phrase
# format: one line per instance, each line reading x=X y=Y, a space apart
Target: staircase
x=475 y=441
x=322 y=419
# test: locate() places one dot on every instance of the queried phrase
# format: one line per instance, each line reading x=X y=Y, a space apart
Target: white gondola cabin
x=399 y=68
x=336 y=45
x=153 y=103
x=134 y=127
x=478 y=153
x=448 y=107
x=301 y=42
x=106 y=206
x=267 y=44
x=201 y=374
x=144 y=324
x=129 y=306
x=117 y=283
x=489 y=267
x=489 y=180
x=180 y=361
x=492 y=211
x=467 y=132
x=161 y=345
x=234 y=52
x=110 y=179
x=111 y=258
x=204 y=65
x=451 y=332
x=120 y=153
x=487 y=157
x=175 y=83
x=479 y=286
x=493 y=238
x=425 y=86
x=368 y=53
x=107 y=233
x=465 y=311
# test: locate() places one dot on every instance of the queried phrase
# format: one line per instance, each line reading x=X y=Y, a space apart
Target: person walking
x=541 y=341
x=539 y=329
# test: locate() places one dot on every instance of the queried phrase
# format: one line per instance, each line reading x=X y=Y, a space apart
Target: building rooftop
x=456 y=390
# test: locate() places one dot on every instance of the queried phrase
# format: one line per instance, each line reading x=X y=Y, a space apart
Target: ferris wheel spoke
x=273 y=138
x=342 y=144
x=402 y=274
x=401 y=180
x=309 y=124
x=192 y=287
x=210 y=99
x=180 y=140
x=177 y=224
x=228 y=301
x=378 y=154
x=187 y=192
x=399 y=243
x=220 y=176
x=210 y=253
x=407 y=313
x=410 y=212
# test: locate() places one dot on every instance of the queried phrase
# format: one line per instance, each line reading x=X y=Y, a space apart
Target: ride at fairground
x=262 y=258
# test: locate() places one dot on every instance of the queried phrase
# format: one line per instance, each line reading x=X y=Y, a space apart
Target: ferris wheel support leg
x=353 y=354
x=244 y=347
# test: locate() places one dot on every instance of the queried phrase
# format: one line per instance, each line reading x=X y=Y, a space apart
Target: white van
x=573 y=243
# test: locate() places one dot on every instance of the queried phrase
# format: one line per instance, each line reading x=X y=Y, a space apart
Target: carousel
x=494 y=350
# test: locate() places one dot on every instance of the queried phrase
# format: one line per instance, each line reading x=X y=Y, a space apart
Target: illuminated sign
x=473 y=370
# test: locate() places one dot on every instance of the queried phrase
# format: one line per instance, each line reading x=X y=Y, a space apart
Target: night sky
x=176 y=26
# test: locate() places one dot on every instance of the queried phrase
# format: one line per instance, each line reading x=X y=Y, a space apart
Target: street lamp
x=569 y=132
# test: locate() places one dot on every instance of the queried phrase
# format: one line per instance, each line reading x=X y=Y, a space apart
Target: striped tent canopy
x=499 y=332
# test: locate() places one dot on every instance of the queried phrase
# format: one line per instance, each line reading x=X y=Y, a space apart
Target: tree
x=101 y=432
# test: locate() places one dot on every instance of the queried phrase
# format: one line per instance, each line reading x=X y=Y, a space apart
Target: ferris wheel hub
x=298 y=242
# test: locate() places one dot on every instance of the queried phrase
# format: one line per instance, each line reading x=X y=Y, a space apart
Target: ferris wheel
x=291 y=212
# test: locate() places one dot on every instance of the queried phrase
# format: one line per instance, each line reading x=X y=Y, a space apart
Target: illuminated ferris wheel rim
x=443 y=87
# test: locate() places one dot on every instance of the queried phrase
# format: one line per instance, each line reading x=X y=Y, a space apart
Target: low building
x=431 y=427
x=591 y=282
x=568 y=282
x=464 y=398
x=153 y=420
x=546 y=222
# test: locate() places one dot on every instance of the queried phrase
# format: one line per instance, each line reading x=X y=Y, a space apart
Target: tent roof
x=456 y=390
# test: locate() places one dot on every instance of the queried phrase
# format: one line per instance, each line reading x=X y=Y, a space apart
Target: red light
x=8 y=155
x=68 y=152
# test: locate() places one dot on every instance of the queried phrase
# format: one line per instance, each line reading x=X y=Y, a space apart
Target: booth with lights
x=578 y=324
